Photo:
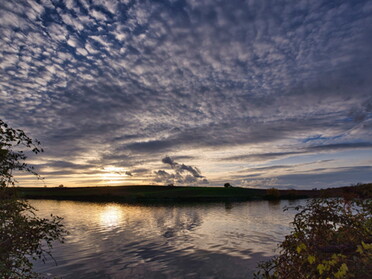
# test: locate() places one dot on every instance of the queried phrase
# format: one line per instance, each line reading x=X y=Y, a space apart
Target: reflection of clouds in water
x=195 y=241
x=173 y=222
x=111 y=216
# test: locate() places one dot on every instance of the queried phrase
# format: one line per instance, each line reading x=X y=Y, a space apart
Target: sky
x=197 y=92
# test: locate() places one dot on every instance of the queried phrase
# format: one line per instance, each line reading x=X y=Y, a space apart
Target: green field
x=155 y=194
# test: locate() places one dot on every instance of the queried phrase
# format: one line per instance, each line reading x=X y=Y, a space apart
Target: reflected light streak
x=111 y=216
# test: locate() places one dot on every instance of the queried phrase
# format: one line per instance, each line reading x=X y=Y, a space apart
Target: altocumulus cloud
x=228 y=84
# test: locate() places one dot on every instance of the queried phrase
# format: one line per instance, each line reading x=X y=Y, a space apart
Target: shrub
x=23 y=235
x=331 y=238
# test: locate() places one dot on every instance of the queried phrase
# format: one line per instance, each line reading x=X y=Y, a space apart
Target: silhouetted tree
x=227 y=185
x=21 y=231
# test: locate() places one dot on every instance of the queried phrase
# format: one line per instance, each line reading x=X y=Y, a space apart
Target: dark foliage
x=23 y=236
x=331 y=238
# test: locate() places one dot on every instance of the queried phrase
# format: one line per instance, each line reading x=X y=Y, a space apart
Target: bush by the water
x=23 y=235
x=331 y=238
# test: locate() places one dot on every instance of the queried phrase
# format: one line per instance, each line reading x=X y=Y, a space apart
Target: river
x=213 y=240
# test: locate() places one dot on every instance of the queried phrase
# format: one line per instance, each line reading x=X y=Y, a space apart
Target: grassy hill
x=155 y=194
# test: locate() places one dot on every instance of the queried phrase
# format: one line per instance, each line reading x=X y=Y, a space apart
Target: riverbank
x=160 y=194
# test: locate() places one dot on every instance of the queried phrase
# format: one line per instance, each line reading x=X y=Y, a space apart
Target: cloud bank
x=230 y=85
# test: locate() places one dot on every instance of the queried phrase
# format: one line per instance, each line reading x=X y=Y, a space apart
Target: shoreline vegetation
x=178 y=194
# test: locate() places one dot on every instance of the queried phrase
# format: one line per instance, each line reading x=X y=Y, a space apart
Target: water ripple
x=201 y=241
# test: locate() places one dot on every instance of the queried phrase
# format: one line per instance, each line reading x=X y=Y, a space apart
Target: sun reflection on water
x=111 y=216
x=165 y=240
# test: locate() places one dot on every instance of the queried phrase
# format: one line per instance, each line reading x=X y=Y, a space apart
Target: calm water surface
x=112 y=240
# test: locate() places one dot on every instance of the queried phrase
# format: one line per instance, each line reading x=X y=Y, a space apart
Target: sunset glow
x=256 y=93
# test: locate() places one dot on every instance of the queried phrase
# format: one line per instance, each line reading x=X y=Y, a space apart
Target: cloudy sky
x=196 y=92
